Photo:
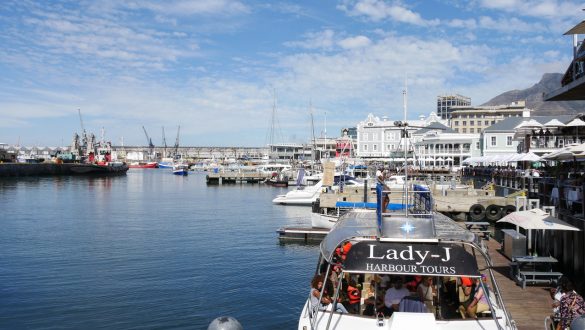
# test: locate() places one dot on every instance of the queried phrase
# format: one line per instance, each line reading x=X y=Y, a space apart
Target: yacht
x=404 y=243
x=307 y=195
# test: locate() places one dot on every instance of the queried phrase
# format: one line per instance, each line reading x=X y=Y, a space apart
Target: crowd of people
x=382 y=295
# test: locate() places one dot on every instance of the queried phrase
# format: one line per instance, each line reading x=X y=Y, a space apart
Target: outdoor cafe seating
x=529 y=268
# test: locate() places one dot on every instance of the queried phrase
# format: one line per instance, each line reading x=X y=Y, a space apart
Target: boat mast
x=405 y=136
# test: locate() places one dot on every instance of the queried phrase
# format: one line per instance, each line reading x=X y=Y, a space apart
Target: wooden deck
x=528 y=306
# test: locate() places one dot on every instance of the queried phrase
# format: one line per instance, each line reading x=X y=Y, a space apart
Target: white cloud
x=315 y=40
x=355 y=42
x=551 y=9
x=188 y=7
x=378 y=10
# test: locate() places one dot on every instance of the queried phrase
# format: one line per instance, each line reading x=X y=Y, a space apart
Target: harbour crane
x=150 y=144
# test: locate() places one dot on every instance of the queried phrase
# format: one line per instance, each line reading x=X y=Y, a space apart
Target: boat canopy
x=435 y=259
x=362 y=226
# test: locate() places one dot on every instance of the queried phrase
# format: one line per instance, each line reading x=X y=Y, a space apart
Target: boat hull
x=143 y=165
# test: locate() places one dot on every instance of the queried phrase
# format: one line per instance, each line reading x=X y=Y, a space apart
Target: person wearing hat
x=465 y=297
x=380 y=177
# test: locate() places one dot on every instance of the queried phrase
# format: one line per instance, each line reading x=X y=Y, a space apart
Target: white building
x=377 y=138
x=440 y=146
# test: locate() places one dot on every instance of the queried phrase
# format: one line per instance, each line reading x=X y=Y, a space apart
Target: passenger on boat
x=479 y=302
x=354 y=296
x=394 y=295
x=465 y=295
x=427 y=293
x=370 y=300
x=326 y=302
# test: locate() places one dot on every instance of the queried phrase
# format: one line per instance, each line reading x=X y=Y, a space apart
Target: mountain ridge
x=534 y=97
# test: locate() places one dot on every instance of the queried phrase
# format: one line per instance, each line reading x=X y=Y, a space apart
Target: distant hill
x=534 y=98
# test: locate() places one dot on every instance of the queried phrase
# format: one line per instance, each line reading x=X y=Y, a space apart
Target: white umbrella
x=574 y=150
x=536 y=219
x=529 y=124
x=554 y=123
x=449 y=159
x=530 y=157
x=576 y=123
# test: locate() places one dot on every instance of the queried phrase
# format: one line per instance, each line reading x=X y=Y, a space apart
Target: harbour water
x=148 y=250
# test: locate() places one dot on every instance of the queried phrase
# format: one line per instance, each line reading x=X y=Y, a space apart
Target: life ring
x=476 y=212
x=508 y=209
x=493 y=212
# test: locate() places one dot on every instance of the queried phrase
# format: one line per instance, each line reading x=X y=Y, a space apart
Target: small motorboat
x=181 y=169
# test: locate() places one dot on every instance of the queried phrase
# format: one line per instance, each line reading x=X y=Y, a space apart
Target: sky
x=249 y=73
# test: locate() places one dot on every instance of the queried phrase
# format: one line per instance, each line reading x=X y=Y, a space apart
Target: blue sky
x=215 y=66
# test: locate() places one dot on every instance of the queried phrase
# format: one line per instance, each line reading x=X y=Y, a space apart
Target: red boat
x=143 y=165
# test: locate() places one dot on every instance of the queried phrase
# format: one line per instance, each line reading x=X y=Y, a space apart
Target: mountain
x=534 y=98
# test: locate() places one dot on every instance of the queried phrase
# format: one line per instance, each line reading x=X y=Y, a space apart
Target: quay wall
x=48 y=169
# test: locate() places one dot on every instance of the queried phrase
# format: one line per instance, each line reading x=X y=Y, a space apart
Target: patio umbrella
x=536 y=219
x=529 y=124
x=554 y=123
x=576 y=123
x=567 y=153
x=530 y=157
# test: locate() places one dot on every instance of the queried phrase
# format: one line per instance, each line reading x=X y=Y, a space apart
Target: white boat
x=181 y=169
x=309 y=194
x=414 y=242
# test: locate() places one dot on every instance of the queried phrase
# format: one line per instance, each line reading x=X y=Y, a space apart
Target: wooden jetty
x=236 y=177
x=302 y=233
x=528 y=306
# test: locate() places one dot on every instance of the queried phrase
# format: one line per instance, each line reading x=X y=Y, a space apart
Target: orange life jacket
x=353 y=294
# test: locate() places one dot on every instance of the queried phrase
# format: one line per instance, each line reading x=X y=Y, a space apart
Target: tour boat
x=411 y=242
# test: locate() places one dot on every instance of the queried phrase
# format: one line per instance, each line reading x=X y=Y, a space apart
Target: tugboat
x=403 y=245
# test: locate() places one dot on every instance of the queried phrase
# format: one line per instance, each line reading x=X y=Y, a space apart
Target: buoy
x=493 y=212
x=477 y=212
x=225 y=323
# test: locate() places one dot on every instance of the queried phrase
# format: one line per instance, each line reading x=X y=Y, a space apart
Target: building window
x=457 y=123
x=375 y=147
x=493 y=122
x=464 y=123
x=471 y=123
x=477 y=145
x=493 y=141
x=471 y=130
x=486 y=122
x=464 y=130
x=508 y=140
x=365 y=147
x=365 y=136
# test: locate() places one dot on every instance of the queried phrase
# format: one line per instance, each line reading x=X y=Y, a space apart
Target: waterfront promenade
x=528 y=306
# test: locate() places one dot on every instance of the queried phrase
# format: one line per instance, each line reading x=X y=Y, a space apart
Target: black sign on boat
x=442 y=259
